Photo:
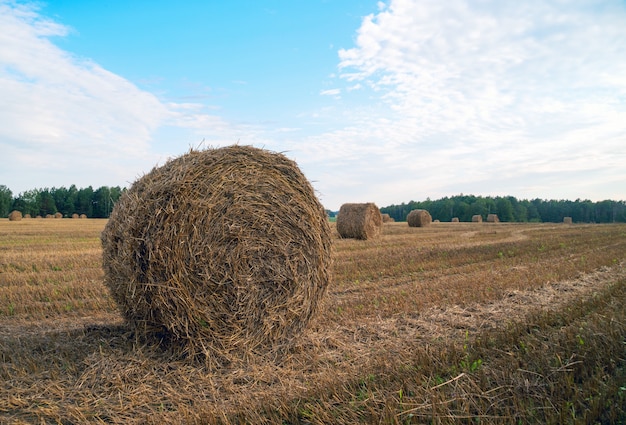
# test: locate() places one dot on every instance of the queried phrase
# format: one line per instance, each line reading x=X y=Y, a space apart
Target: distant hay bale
x=492 y=218
x=220 y=254
x=27 y=216
x=15 y=215
x=75 y=215
x=436 y=221
x=419 y=218
x=49 y=216
x=477 y=218
x=567 y=220
x=387 y=218
x=58 y=215
x=359 y=221
x=39 y=216
x=454 y=220
x=83 y=216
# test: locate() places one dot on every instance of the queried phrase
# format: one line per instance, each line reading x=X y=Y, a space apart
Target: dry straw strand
x=221 y=253
x=419 y=218
x=359 y=221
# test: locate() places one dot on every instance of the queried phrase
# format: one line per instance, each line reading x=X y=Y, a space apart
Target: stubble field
x=452 y=323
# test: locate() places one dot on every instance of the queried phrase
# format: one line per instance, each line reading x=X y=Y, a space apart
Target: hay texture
x=223 y=253
x=15 y=215
x=567 y=220
x=75 y=215
x=359 y=221
x=419 y=218
x=454 y=220
x=477 y=218
x=83 y=216
x=493 y=218
x=58 y=215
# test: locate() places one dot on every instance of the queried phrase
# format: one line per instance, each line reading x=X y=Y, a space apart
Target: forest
x=99 y=203
x=67 y=201
x=510 y=209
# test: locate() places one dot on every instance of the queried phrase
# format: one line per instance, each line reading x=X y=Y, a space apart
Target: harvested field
x=445 y=324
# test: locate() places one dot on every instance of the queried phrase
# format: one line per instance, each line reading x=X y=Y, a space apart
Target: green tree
x=6 y=199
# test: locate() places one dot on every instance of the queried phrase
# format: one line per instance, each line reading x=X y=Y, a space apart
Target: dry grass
x=445 y=324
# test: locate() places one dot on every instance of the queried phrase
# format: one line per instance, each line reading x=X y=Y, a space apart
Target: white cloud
x=481 y=91
x=66 y=120
x=331 y=92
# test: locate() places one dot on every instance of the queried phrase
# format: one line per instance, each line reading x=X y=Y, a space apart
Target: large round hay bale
x=567 y=220
x=419 y=218
x=15 y=215
x=492 y=218
x=477 y=218
x=58 y=215
x=454 y=220
x=75 y=215
x=83 y=216
x=221 y=253
x=359 y=221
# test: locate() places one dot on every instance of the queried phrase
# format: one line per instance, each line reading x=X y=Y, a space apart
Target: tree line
x=510 y=209
x=67 y=201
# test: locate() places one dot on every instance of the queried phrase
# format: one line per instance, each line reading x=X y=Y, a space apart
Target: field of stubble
x=452 y=323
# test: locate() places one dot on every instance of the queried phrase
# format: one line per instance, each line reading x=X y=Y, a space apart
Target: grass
x=451 y=323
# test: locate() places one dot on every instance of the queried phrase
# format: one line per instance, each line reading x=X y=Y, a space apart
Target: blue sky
x=381 y=102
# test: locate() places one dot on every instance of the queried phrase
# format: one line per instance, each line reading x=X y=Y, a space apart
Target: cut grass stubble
x=454 y=322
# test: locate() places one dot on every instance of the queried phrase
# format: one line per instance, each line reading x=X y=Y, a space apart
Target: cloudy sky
x=381 y=102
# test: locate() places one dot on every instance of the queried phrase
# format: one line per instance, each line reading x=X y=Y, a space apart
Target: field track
x=455 y=322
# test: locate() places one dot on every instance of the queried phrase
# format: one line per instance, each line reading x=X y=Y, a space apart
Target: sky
x=376 y=101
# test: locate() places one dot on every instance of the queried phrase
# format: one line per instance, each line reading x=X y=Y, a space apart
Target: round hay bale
x=477 y=218
x=359 y=221
x=419 y=218
x=83 y=216
x=387 y=218
x=455 y=220
x=15 y=215
x=58 y=215
x=39 y=216
x=567 y=220
x=75 y=215
x=27 y=216
x=220 y=253
x=493 y=218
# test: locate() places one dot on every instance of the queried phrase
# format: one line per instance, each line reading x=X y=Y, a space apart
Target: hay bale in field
x=567 y=220
x=454 y=220
x=221 y=253
x=419 y=218
x=39 y=216
x=477 y=218
x=83 y=216
x=15 y=215
x=359 y=221
x=387 y=218
x=492 y=218
x=58 y=215
x=27 y=216
x=75 y=215
x=436 y=221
